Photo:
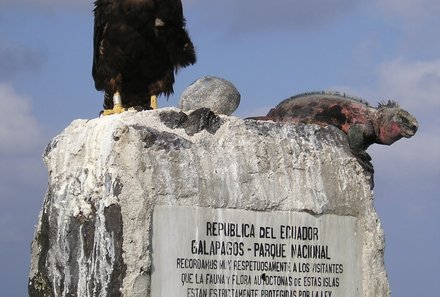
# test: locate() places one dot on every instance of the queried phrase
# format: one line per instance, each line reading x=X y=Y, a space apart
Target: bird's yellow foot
x=117 y=108
x=153 y=102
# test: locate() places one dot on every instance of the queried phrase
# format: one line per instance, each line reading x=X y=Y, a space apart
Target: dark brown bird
x=138 y=46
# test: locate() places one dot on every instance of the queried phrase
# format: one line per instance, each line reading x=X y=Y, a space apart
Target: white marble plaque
x=204 y=252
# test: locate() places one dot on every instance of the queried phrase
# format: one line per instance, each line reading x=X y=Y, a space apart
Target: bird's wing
x=174 y=36
x=101 y=13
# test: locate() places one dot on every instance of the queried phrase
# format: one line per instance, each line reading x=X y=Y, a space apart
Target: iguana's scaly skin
x=363 y=124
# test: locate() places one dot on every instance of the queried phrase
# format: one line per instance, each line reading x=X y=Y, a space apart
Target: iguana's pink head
x=394 y=123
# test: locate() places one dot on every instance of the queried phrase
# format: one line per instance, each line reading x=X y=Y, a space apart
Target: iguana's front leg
x=359 y=141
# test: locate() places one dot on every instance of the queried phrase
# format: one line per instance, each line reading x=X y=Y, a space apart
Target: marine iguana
x=363 y=124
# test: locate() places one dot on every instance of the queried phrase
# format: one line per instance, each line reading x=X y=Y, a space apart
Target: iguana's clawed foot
x=365 y=160
x=116 y=109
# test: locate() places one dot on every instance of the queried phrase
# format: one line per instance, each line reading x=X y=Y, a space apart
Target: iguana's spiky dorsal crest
x=331 y=93
x=388 y=104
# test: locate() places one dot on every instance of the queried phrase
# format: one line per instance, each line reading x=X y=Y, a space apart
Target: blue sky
x=270 y=50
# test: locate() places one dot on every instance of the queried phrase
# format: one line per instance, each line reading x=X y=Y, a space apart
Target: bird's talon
x=107 y=112
x=116 y=109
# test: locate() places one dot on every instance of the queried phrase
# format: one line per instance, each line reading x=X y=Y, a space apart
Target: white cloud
x=20 y=131
x=22 y=173
x=416 y=84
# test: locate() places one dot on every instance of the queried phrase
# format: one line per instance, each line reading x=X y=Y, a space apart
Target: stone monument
x=192 y=204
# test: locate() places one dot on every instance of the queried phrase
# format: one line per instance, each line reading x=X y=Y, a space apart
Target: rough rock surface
x=211 y=92
x=93 y=237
